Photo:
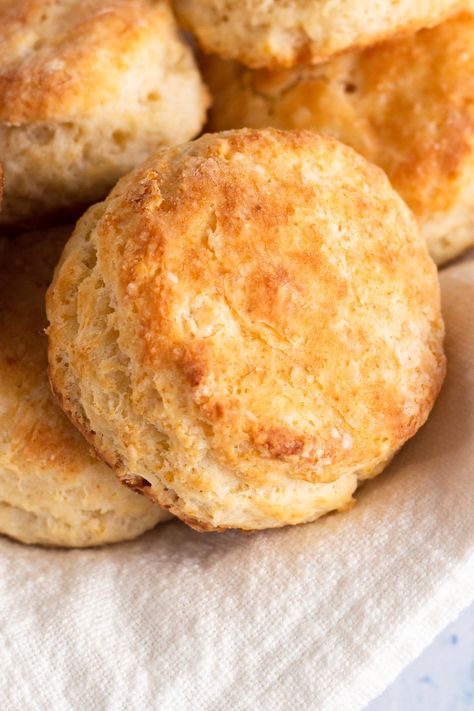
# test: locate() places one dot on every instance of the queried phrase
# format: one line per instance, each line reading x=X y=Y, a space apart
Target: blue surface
x=442 y=679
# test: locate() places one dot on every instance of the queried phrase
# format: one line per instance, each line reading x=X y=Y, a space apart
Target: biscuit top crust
x=64 y=58
x=406 y=105
x=270 y=306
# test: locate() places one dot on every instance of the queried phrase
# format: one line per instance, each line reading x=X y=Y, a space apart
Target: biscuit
x=246 y=327
x=406 y=105
x=53 y=491
x=88 y=89
x=270 y=33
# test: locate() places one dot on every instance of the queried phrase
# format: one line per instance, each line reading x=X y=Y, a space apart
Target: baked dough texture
x=269 y=33
x=406 y=105
x=53 y=491
x=88 y=89
x=247 y=327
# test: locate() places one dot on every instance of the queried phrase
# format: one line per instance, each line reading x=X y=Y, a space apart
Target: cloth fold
x=322 y=616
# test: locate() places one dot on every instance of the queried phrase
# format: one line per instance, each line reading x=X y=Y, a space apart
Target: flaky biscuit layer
x=53 y=490
x=272 y=33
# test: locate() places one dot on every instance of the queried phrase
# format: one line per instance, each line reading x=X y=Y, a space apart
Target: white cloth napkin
x=319 y=617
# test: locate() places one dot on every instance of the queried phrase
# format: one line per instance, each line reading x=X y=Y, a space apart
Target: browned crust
x=76 y=53
x=410 y=110
x=158 y=243
x=136 y=483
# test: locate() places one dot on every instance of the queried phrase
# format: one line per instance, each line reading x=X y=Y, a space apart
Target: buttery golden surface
x=407 y=105
x=88 y=89
x=247 y=326
x=269 y=33
x=53 y=491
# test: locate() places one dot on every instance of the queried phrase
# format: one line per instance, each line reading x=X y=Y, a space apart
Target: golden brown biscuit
x=406 y=105
x=269 y=33
x=88 y=89
x=53 y=491
x=246 y=327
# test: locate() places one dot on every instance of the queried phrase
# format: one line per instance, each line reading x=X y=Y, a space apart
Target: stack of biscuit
x=245 y=325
